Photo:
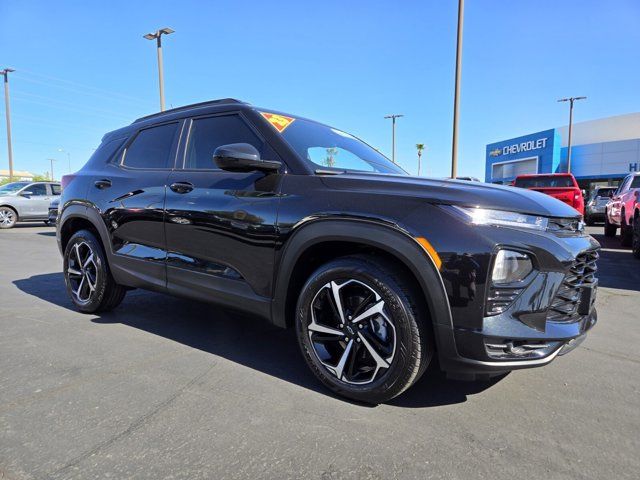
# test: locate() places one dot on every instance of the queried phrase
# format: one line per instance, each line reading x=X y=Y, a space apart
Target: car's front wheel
x=87 y=277
x=361 y=329
x=8 y=217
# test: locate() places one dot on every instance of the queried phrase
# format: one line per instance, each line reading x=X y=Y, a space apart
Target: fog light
x=511 y=267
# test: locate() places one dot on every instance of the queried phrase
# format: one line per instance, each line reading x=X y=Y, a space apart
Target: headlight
x=483 y=216
x=511 y=267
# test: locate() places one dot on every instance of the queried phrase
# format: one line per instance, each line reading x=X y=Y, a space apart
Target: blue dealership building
x=603 y=152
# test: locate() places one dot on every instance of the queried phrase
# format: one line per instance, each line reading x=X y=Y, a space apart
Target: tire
x=609 y=229
x=635 y=245
x=89 y=283
x=397 y=331
x=8 y=217
x=626 y=232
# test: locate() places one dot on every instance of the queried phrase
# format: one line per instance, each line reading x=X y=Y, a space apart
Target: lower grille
x=564 y=307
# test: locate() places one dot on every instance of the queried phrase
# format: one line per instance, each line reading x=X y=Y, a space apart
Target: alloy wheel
x=351 y=331
x=7 y=217
x=82 y=272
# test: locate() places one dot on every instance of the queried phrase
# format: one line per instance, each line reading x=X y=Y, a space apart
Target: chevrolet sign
x=496 y=152
x=523 y=147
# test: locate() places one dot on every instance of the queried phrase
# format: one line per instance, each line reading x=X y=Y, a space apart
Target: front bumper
x=529 y=333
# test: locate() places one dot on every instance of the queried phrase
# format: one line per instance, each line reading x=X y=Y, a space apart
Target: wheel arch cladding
x=323 y=240
x=79 y=217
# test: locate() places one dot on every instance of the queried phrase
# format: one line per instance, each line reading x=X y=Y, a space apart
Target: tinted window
x=550 y=181
x=635 y=183
x=152 y=148
x=605 y=192
x=326 y=147
x=38 y=189
x=12 y=187
x=207 y=134
x=56 y=189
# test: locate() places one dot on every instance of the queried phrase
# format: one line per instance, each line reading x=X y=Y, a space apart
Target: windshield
x=603 y=193
x=12 y=187
x=545 y=181
x=328 y=149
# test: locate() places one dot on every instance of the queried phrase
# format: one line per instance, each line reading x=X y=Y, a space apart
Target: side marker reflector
x=424 y=243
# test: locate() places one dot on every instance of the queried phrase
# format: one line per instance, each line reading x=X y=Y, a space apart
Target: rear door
x=220 y=225
x=129 y=193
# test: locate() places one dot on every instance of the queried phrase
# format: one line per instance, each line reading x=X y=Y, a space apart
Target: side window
x=152 y=147
x=207 y=134
x=37 y=189
x=635 y=183
x=56 y=190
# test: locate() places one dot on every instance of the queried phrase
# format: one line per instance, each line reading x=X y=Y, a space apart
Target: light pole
x=393 y=134
x=62 y=150
x=158 y=38
x=7 y=111
x=570 y=100
x=456 y=94
x=52 y=160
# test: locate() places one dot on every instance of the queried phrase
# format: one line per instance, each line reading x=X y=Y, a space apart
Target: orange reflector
x=430 y=250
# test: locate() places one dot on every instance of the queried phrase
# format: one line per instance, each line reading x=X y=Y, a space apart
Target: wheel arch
x=77 y=217
x=323 y=240
x=8 y=205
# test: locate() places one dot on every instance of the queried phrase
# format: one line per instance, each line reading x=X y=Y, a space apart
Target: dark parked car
x=595 y=207
x=53 y=211
x=309 y=227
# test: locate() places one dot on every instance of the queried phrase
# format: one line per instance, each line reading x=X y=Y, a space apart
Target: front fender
x=392 y=240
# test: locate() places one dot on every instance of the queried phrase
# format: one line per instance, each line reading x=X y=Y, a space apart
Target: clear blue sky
x=83 y=68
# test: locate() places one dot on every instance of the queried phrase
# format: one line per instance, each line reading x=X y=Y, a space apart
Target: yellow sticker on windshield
x=279 y=122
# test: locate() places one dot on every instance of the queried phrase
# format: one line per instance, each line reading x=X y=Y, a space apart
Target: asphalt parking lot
x=163 y=388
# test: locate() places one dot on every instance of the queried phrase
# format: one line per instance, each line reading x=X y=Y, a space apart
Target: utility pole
x=393 y=134
x=157 y=36
x=570 y=100
x=7 y=111
x=456 y=94
x=52 y=160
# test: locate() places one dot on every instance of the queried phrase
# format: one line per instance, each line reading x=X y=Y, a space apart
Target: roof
x=221 y=101
x=17 y=173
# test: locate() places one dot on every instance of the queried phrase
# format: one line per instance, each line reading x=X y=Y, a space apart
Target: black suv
x=309 y=227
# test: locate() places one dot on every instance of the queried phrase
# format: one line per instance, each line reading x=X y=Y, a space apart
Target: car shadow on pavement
x=240 y=338
x=617 y=268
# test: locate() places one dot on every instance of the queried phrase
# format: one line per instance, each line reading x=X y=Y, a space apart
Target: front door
x=221 y=226
x=37 y=204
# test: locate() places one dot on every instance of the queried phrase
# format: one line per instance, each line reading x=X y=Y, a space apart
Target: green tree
x=330 y=159
x=420 y=147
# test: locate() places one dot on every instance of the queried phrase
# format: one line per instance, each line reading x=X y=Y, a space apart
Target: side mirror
x=26 y=193
x=242 y=157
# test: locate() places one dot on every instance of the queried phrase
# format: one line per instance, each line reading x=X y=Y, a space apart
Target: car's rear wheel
x=360 y=328
x=8 y=217
x=87 y=277
x=636 y=237
x=609 y=229
x=626 y=232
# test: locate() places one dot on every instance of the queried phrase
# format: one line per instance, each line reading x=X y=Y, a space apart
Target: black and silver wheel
x=8 y=217
x=88 y=280
x=360 y=329
x=609 y=229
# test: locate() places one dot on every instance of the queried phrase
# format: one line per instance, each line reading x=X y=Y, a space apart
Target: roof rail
x=189 y=107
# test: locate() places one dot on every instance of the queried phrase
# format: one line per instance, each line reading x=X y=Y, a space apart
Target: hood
x=454 y=192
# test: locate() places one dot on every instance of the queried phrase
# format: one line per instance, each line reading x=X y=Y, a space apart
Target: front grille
x=564 y=307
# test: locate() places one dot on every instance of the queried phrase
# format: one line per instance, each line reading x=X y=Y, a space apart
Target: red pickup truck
x=562 y=186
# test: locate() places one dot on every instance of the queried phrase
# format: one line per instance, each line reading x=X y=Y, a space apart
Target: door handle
x=181 y=187
x=102 y=184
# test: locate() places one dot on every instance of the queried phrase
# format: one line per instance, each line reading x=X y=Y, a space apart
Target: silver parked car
x=594 y=209
x=26 y=202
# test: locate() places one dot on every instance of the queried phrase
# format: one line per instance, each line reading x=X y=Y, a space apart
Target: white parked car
x=26 y=202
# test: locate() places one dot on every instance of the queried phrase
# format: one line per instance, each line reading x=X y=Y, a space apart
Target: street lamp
x=52 y=160
x=456 y=94
x=570 y=100
x=157 y=36
x=62 y=150
x=393 y=134
x=7 y=112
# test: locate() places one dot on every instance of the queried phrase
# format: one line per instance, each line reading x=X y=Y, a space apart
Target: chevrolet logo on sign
x=495 y=153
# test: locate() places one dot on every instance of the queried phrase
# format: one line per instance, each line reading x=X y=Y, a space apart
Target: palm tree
x=420 y=148
x=331 y=154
